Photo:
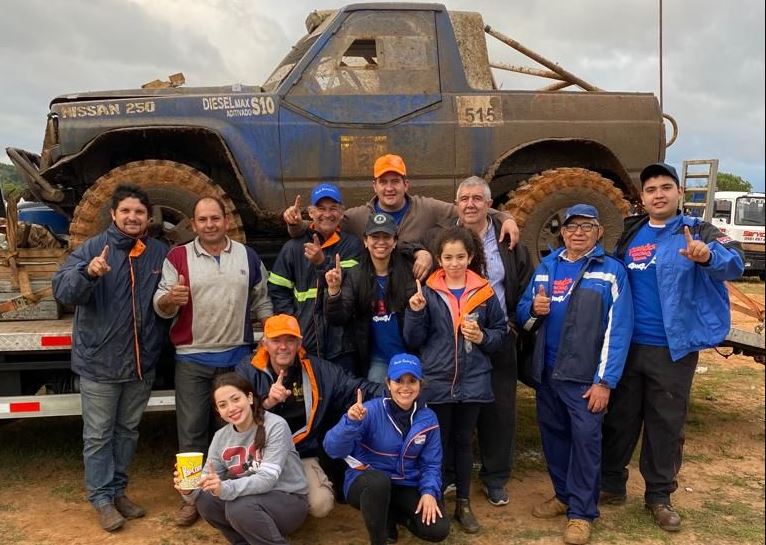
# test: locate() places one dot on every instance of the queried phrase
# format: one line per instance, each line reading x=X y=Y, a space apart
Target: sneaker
x=577 y=532
x=665 y=516
x=549 y=509
x=187 y=515
x=611 y=498
x=109 y=518
x=392 y=533
x=496 y=496
x=451 y=488
x=465 y=517
x=127 y=508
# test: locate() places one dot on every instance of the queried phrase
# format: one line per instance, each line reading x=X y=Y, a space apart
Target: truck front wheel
x=173 y=188
x=538 y=206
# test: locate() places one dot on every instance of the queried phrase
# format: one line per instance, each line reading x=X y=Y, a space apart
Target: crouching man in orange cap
x=310 y=394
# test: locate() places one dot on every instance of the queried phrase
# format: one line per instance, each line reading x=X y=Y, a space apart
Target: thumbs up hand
x=179 y=293
x=334 y=277
x=357 y=411
x=696 y=250
x=99 y=265
x=541 y=305
x=418 y=300
x=292 y=215
x=313 y=251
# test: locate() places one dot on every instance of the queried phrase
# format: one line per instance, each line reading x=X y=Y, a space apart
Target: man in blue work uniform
x=677 y=266
x=579 y=303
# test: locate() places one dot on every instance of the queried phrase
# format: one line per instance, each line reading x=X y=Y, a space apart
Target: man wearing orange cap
x=414 y=214
x=310 y=394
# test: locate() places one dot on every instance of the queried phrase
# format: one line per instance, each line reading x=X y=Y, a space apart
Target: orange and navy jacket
x=451 y=373
x=297 y=287
x=116 y=335
x=328 y=392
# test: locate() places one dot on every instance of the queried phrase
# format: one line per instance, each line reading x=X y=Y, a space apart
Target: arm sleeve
x=339 y=309
x=524 y=316
x=296 y=231
x=495 y=327
x=619 y=331
x=169 y=279
x=726 y=255
x=72 y=285
x=416 y=326
x=430 y=464
x=281 y=283
x=278 y=445
x=342 y=438
x=261 y=302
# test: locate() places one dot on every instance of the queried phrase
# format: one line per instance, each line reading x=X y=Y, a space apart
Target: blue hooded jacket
x=598 y=325
x=376 y=442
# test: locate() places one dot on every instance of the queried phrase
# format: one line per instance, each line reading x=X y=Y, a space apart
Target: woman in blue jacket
x=393 y=450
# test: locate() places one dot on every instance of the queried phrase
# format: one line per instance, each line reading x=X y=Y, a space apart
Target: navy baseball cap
x=326 y=191
x=380 y=222
x=582 y=210
x=402 y=364
x=659 y=169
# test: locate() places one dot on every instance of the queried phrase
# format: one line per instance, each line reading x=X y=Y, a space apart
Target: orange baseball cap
x=389 y=163
x=281 y=324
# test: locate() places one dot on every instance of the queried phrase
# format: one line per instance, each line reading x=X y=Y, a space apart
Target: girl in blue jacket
x=393 y=450
x=456 y=321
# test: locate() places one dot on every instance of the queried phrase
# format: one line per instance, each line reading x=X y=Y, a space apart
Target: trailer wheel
x=538 y=205
x=173 y=188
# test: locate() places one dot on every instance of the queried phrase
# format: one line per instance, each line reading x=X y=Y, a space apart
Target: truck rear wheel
x=173 y=188
x=538 y=206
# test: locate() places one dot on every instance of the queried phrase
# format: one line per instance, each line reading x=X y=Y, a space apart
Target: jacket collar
x=260 y=359
x=121 y=240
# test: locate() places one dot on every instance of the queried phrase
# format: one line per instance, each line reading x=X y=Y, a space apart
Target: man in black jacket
x=508 y=271
x=116 y=342
x=309 y=393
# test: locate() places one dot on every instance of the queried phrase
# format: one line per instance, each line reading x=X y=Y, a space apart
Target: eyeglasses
x=586 y=227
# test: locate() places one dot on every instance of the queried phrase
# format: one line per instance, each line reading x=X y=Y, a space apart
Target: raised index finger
x=688 y=235
x=281 y=378
x=359 y=396
x=297 y=202
x=420 y=288
x=105 y=251
x=337 y=262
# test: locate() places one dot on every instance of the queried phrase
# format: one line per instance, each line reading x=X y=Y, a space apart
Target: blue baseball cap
x=326 y=191
x=402 y=364
x=659 y=169
x=582 y=210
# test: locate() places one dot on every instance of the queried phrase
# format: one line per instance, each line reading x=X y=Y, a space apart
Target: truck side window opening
x=363 y=60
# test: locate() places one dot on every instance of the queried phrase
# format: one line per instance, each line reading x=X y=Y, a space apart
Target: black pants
x=497 y=421
x=383 y=504
x=653 y=393
x=456 y=424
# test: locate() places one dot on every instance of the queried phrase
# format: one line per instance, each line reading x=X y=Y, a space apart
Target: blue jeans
x=111 y=413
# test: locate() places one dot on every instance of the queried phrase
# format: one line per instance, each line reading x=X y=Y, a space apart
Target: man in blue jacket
x=580 y=304
x=116 y=342
x=677 y=266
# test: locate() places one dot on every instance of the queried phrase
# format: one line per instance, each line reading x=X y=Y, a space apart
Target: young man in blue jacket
x=580 y=304
x=677 y=266
x=116 y=343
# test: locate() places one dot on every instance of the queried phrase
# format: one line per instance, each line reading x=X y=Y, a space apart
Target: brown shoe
x=187 y=515
x=549 y=509
x=109 y=518
x=465 y=517
x=665 y=516
x=577 y=532
x=611 y=498
x=127 y=508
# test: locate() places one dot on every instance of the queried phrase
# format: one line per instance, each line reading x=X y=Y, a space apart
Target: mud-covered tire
x=173 y=188
x=538 y=205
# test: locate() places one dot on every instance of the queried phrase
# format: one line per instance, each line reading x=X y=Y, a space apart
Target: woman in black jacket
x=373 y=297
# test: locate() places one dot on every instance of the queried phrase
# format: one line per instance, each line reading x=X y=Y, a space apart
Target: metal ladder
x=699 y=198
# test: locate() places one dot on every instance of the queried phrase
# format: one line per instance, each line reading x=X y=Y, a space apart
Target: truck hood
x=148 y=93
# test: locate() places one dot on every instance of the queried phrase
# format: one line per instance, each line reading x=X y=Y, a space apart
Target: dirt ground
x=720 y=496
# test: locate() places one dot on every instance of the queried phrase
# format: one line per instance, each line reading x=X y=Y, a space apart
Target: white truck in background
x=741 y=215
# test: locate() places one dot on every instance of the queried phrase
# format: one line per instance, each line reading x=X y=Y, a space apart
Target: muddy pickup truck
x=367 y=79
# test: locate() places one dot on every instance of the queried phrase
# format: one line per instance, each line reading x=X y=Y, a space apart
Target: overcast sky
x=713 y=56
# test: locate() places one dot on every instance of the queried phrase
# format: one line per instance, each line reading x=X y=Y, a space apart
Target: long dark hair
x=239 y=382
x=395 y=295
x=471 y=243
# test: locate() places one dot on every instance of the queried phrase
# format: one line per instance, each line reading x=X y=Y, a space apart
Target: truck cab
x=741 y=215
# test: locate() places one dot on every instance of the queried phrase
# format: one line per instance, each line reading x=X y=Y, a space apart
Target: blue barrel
x=42 y=214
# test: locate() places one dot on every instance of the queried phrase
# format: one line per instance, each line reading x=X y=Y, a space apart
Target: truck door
x=372 y=89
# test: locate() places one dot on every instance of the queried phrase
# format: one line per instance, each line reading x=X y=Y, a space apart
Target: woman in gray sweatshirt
x=253 y=488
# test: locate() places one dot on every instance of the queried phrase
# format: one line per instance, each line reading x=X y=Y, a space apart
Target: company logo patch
x=724 y=240
x=420 y=439
x=379 y=219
